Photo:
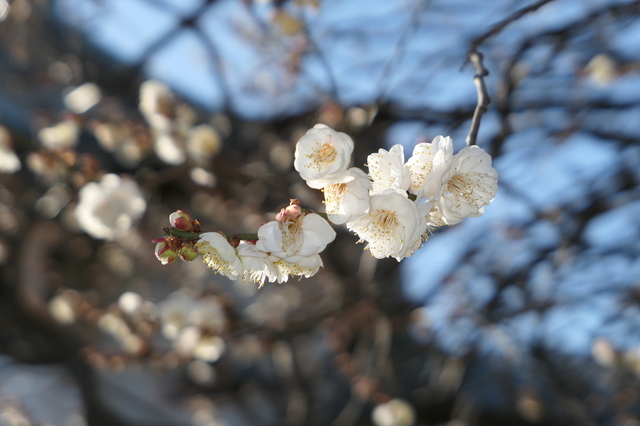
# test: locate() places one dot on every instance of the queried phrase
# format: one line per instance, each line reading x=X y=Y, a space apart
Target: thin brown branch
x=483 y=96
x=502 y=24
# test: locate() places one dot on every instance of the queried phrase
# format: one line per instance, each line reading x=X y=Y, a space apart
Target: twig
x=476 y=59
x=502 y=24
x=483 y=96
x=413 y=24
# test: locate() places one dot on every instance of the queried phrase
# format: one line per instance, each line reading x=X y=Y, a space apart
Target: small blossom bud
x=189 y=252
x=294 y=211
x=165 y=250
x=234 y=241
x=183 y=221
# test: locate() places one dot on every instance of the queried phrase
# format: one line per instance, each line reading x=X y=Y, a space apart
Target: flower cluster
x=395 y=206
x=289 y=245
x=169 y=249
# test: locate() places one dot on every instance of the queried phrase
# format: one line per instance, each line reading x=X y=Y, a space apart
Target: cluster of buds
x=182 y=245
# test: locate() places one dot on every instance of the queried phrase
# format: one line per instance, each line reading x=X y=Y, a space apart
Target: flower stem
x=174 y=232
x=323 y=215
x=242 y=236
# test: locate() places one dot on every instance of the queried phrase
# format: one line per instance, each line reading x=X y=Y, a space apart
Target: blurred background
x=527 y=315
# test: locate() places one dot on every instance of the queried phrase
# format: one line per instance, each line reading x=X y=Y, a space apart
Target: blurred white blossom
x=9 y=161
x=181 y=310
x=109 y=207
x=169 y=148
x=61 y=135
x=156 y=104
x=203 y=142
x=83 y=97
x=396 y=412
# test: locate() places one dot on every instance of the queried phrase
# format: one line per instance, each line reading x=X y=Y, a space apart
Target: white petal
x=219 y=255
x=257 y=265
x=346 y=201
x=388 y=171
x=428 y=163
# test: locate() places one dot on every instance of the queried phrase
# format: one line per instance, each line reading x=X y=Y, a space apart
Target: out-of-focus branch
x=483 y=96
x=502 y=24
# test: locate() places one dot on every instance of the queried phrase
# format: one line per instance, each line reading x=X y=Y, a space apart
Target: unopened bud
x=234 y=241
x=164 y=251
x=293 y=211
x=181 y=220
x=188 y=252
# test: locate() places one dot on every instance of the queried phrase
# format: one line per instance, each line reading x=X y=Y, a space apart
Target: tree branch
x=483 y=96
x=502 y=24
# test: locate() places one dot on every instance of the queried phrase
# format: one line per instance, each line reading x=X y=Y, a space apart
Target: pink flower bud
x=293 y=211
x=181 y=220
x=166 y=250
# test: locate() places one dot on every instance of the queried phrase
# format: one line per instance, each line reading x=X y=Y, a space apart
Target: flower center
x=384 y=224
x=459 y=185
x=323 y=155
x=291 y=228
x=212 y=258
x=333 y=195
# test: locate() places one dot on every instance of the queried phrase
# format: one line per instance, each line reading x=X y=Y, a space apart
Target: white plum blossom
x=388 y=171
x=219 y=255
x=393 y=227
x=348 y=199
x=427 y=165
x=181 y=310
x=291 y=238
x=9 y=161
x=174 y=313
x=469 y=184
x=396 y=412
x=109 y=207
x=257 y=265
x=322 y=156
x=203 y=142
x=61 y=135
x=83 y=97
x=156 y=104
x=306 y=267
x=208 y=314
x=169 y=148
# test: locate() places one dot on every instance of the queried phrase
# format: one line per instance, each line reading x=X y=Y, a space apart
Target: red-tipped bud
x=165 y=252
x=234 y=241
x=181 y=220
x=189 y=252
x=291 y=211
